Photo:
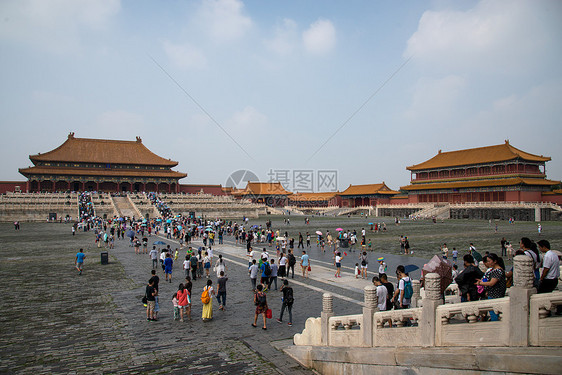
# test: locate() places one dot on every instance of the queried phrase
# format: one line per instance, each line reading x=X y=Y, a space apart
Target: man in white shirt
x=382 y=292
x=551 y=268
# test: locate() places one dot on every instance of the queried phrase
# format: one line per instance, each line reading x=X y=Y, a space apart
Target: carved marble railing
x=345 y=330
x=467 y=324
x=524 y=319
x=545 y=326
x=394 y=328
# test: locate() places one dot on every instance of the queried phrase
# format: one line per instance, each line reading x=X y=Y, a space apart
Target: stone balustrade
x=524 y=319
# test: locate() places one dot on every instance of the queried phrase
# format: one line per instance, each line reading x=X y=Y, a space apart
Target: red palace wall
x=10 y=186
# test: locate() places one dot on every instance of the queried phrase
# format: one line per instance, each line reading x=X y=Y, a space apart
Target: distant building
x=82 y=164
x=269 y=193
x=315 y=199
x=500 y=173
x=366 y=195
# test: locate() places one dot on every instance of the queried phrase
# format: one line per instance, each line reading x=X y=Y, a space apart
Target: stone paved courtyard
x=55 y=321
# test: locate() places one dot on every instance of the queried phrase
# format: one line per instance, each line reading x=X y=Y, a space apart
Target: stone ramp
x=124 y=206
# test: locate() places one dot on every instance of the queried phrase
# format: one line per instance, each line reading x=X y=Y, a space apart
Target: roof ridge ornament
x=71 y=135
x=139 y=140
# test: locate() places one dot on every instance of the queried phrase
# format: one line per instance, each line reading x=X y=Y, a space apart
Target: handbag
x=144 y=300
x=309 y=269
x=268 y=314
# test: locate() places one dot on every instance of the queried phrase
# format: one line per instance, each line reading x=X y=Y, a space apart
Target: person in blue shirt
x=305 y=263
x=80 y=256
x=168 y=264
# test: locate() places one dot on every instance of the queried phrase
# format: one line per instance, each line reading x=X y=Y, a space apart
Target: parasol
x=339 y=229
x=130 y=233
x=159 y=243
x=318 y=233
x=441 y=267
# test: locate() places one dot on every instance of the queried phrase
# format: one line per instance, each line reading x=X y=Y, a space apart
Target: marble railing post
x=371 y=306
x=416 y=297
x=432 y=299
x=519 y=297
x=327 y=313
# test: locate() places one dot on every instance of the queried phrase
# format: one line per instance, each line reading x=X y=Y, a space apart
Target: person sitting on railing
x=495 y=280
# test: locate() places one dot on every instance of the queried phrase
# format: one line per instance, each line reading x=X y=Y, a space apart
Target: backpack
x=193 y=261
x=408 y=290
x=205 y=298
x=261 y=299
x=292 y=260
x=267 y=269
x=289 y=300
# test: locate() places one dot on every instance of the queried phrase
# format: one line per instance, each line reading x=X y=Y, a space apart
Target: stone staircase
x=440 y=211
x=125 y=207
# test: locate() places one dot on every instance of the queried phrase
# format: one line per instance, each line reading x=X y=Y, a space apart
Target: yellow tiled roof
x=105 y=151
x=488 y=154
x=368 y=189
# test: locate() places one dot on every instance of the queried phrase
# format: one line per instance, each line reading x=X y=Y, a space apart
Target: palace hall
x=83 y=164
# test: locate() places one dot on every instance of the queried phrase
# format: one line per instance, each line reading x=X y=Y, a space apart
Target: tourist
x=503 y=245
x=207 y=307
x=305 y=264
x=156 y=280
x=253 y=271
x=292 y=262
x=445 y=251
x=455 y=254
x=260 y=300
x=193 y=265
x=200 y=259
x=337 y=263
x=221 y=293
x=364 y=264
x=382 y=266
x=530 y=249
x=509 y=250
x=186 y=266
x=493 y=280
x=357 y=270
x=162 y=258
x=183 y=300
x=136 y=244
x=551 y=268
x=150 y=294
x=220 y=266
x=467 y=278
x=154 y=257
x=382 y=293
x=404 y=290
x=207 y=265
x=176 y=306
x=389 y=288
x=273 y=275
x=288 y=300
x=265 y=273
x=406 y=245
x=168 y=265
x=282 y=266
x=79 y=262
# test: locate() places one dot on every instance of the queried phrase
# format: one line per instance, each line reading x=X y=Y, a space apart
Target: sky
x=363 y=88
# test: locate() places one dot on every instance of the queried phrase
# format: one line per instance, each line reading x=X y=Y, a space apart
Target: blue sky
x=281 y=78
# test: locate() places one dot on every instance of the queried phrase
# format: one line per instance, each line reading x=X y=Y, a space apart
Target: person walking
x=183 y=300
x=288 y=300
x=220 y=266
x=168 y=264
x=364 y=264
x=154 y=257
x=273 y=275
x=207 y=300
x=282 y=266
x=291 y=262
x=260 y=300
x=221 y=293
x=79 y=262
x=253 y=270
x=337 y=263
x=305 y=264
x=150 y=294
x=193 y=264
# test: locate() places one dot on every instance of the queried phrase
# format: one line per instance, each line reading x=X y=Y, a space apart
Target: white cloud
x=320 y=37
x=224 y=20
x=185 y=55
x=494 y=36
x=436 y=100
x=55 y=24
x=285 y=39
